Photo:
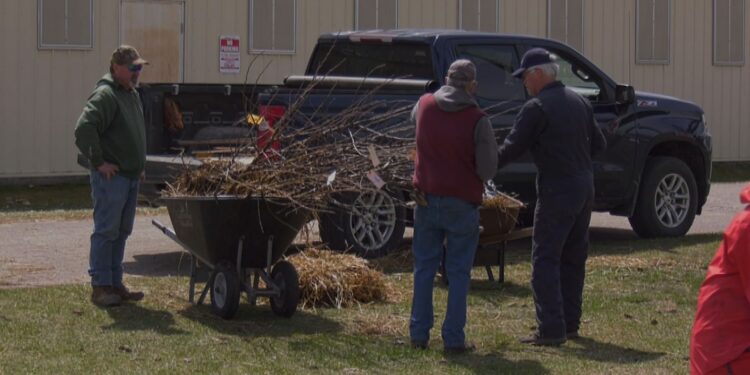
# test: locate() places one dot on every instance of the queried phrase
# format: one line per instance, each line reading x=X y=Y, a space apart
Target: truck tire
x=667 y=199
x=369 y=224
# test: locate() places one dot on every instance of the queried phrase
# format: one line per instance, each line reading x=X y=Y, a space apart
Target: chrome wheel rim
x=373 y=219
x=220 y=289
x=672 y=200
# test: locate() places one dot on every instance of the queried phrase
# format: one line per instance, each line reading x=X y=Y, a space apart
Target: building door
x=156 y=29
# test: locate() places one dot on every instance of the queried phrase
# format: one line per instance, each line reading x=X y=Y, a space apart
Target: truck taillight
x=271 y=114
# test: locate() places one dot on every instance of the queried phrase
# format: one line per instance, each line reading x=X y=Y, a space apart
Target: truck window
x=386 y=60
x=495 y=64
x=574 y=77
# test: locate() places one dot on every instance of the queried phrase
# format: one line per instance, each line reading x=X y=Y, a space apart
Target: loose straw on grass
x=330 y=279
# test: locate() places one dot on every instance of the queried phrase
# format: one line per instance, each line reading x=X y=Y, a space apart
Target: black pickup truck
x=655 y=171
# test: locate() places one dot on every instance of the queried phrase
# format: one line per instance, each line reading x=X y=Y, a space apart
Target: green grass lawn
x=51 y=202
x=639 y=303
x=730 y=172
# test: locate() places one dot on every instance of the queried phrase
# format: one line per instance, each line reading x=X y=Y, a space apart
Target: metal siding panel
x=575 y=24
x=366 y=14
x=415 y=15
x=526 y=17
x=744 y=114
x=488 y=16
x=10 y=121
x=447 y=15
x=469 y=12
x=556 y=20
x=26 y=130
x=387 y=14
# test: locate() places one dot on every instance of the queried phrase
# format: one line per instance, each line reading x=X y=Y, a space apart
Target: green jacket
x=112 y=128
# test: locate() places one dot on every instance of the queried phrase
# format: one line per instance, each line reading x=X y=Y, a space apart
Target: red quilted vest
x=445 y=164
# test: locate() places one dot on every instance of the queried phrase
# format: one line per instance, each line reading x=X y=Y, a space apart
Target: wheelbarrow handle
x=168 y=231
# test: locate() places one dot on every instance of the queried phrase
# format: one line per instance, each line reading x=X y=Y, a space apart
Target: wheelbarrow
x=496 y=227
x=241 y=240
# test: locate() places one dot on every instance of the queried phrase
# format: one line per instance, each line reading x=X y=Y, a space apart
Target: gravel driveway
x=56 y=252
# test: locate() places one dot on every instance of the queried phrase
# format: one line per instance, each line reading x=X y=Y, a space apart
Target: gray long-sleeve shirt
x=451 y=99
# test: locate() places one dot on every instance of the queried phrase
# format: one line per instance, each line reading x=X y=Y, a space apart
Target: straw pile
x=330 y=279
x=501 y=202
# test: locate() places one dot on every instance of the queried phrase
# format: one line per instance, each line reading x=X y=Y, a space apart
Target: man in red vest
x=720 y=341
x=456 y=154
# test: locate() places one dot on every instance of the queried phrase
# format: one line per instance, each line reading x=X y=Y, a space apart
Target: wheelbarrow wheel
x=225 y=291
x=285 y=277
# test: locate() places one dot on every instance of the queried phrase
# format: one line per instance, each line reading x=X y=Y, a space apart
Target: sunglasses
x=135 y=68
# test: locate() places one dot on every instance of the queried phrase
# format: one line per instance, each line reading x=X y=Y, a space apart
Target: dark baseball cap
x=127 y=55
x=532 y=58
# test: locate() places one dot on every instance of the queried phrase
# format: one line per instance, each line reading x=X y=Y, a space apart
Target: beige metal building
x=55 y=50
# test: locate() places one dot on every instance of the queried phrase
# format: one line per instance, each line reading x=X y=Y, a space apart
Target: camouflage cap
x=127 y=55
x=462 y=71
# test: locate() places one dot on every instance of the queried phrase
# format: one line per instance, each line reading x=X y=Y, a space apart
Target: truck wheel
x=370 y=224
x=667 y=199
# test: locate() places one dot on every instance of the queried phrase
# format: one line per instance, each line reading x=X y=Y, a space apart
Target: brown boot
x=126 y=294
x=104 y=296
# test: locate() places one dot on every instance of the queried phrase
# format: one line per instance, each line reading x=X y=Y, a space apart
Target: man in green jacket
x=111 y=134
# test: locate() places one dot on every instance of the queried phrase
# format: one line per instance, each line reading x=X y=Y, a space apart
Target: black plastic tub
x=211 y=227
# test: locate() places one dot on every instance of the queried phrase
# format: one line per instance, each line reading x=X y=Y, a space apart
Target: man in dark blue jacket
x=559 y=129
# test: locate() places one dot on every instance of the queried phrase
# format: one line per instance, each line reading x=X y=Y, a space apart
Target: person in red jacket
x=720 y=340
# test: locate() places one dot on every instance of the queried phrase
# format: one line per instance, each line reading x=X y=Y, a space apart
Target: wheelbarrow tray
x=211 y=228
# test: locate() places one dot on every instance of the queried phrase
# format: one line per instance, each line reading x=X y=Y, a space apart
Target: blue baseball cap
x=532 y=58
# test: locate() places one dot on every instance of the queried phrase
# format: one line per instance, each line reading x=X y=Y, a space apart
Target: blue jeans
x=114 y=212
x=455 y=223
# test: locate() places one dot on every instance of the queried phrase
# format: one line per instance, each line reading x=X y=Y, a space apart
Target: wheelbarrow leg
x=193 y=276
x=193 y=281
x=252 y=296
x=490 y=277
x=204 y=292
x=501 y=267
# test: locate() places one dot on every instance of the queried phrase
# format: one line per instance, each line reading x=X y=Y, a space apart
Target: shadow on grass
x=506 y=289
x=624 y=247
x=259 y=321
x=613 y=241
x=134 y=317
x=176 y=263
x=593 y=350
x=495 y=363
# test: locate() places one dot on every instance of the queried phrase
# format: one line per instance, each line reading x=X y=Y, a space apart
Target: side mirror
x=624 y=94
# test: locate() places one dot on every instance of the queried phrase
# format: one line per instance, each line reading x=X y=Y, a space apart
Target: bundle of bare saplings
x=307 y=163
x=366 y=146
